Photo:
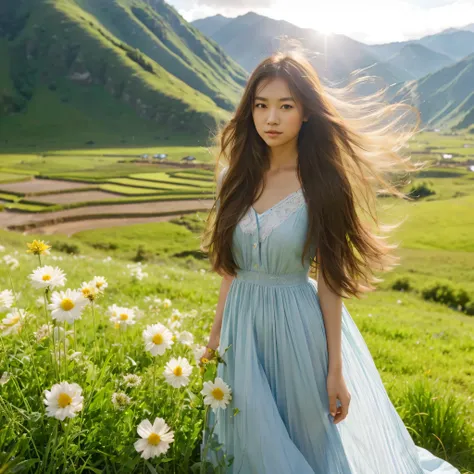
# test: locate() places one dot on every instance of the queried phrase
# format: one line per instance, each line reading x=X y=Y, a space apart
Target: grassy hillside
x=446 y=98
x=70 y=81
x=159 y=32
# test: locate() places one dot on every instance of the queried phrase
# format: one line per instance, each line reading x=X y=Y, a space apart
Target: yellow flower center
x=178 y=371
x=173 y=337
x=154 y=439
x=46 y=277
x=64 y=400
x=67 y=304
x=123 y=316
x=98 y=284
x=116 y=325
x=86 y=291
x=218 y=394
x=157 y=339
x=14 y=320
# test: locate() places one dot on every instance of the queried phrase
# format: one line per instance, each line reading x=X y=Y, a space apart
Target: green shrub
x=138 y=57
x=141 y=255
x=402 y=284
x=104 y=245
x=72 y=249
x=421 y=190
x=456 y=298
x=469 y=308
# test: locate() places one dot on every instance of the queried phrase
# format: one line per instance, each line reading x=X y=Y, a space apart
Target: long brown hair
x=344 y=149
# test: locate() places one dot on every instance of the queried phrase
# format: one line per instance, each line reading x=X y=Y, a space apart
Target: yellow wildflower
x=38 y=247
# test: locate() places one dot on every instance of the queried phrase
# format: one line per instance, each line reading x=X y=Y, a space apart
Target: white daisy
x=2 y=248
x=198 y=352
x=132 y=380
x=47 y=276
x=100 y=283
x=186 y=338
x=156 y=438
x=89 y=291
x=177 y=372
x=6 y=300
x=120 y=400
x=13 y=321
x=217 y=394
x=166 y=303
x=113 y=310
x=67 y=305
x=64 y=400
x=10 y=261
x=124 y=317
x=173 y=323
x=157 y=338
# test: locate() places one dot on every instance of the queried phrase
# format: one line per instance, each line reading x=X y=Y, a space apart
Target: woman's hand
x=208 y=355
x=336 y=387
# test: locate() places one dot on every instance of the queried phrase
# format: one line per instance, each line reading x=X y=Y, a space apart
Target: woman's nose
x=272 y=116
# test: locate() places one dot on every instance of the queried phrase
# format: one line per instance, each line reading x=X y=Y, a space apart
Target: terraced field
x=68 y=187
x=61 y=204
x=73 y=198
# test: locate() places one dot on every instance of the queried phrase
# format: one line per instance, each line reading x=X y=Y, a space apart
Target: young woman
x=300 y=165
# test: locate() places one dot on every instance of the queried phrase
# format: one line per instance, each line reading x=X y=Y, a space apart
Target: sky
x=369 y=21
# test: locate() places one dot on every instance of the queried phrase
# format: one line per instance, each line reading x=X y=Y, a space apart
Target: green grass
x=445 y=224
x=162 y=177
x=127 y=190
x=12 y=178
x=190 y=175
x=27 y=207
x=153 y=185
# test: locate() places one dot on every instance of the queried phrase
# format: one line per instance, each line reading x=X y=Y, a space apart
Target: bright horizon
x=385 y=22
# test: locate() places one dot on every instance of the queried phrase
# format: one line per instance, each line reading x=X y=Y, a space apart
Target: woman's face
x=274 y=108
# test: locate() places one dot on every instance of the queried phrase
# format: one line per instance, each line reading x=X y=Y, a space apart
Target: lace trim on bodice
x=273 y=217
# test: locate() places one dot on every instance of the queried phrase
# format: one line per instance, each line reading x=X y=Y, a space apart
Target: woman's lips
x=273 y=134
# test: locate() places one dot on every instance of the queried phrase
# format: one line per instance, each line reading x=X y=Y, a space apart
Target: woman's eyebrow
x=281 y=100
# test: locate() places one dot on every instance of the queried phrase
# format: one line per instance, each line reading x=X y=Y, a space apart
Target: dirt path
x=116 y=212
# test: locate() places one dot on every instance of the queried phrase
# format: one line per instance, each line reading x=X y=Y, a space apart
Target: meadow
x=418 y=325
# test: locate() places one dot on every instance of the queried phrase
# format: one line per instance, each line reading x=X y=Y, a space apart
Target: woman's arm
x=214 y=338
x=331 y=306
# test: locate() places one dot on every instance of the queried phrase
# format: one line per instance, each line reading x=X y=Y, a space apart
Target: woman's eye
x=284 y=105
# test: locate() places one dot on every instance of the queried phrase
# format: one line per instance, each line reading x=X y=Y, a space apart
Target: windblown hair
x=346 y=149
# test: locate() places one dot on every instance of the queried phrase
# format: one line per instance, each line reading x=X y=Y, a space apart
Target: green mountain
x=77 y=72
x=434 y=73
x=251 y=37
x=446 y=97
x=418 y=61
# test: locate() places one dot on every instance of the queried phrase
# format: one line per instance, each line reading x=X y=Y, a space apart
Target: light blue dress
x=277 y=367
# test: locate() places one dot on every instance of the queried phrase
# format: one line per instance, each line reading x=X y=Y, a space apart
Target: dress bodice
x=272 y=242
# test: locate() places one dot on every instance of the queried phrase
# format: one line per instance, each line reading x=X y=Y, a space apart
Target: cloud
x=430 y=3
